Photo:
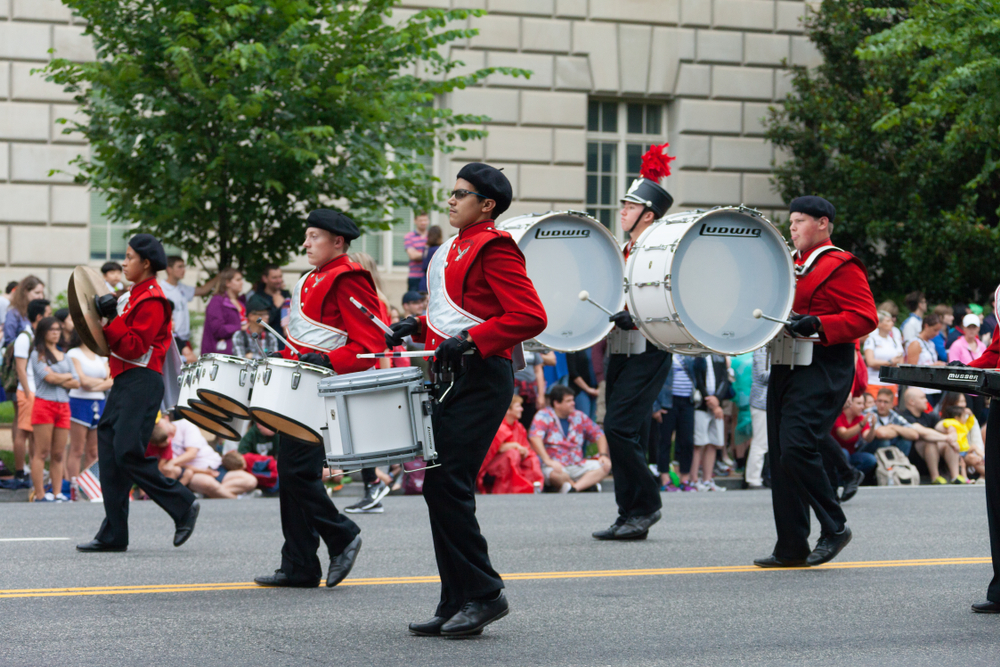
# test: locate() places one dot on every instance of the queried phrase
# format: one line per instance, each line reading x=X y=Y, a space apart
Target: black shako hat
x=817 y=207
x=149 y=247
x=489 y=182
x=334 y=222
x=651 y=195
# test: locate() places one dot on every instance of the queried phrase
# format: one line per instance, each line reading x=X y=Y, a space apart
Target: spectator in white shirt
x=884 y=347
x=180 y=295
x=917 y=303
x=203 y=466
x=86 y=405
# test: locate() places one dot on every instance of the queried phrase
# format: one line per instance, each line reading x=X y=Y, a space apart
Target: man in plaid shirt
x=558 y=434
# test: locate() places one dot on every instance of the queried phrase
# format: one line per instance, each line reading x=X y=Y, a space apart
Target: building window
x=618 y=134
x=108 y=240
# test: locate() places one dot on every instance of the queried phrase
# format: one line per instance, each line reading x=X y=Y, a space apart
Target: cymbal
x=84 y=284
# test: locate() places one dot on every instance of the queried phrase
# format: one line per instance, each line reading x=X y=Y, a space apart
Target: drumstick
x=585 y=296
x=379 y=323
x=277 y=335
x=390 y=355
x=759 y=314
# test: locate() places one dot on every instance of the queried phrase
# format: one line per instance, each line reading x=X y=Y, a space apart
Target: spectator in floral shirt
x=558 y=434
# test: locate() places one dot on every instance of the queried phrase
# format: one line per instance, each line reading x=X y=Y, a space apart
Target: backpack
x=8 y=367
x=894 y=469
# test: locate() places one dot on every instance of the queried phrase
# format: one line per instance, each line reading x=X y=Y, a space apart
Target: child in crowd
x=959 y=420
x=113 y=276
x=160 y=449
x=263 y=468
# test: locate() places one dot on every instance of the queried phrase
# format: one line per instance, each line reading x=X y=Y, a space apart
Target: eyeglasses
x=461 y=194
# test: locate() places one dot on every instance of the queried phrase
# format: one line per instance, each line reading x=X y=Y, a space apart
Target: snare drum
x=285 y=398
x=695 y=278
x=187 y=404
x=226 y=383
x=377 y=417
x=227 y=428
x=565 y=253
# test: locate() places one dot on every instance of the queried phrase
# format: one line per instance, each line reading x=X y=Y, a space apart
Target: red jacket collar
x=802 y=256
x=333 y=263
x=137 y=287
x=475 y=228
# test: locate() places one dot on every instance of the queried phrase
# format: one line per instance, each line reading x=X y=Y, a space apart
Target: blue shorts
x=86 y=411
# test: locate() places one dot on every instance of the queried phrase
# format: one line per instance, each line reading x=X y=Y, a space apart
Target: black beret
x=334 y=222
x=489 y=182
x=148 y=247
x=817 y=207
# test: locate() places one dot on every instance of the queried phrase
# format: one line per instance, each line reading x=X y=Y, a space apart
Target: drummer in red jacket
x=328 y=331
x=482 y=302
x=139 y=334
x=832 y=299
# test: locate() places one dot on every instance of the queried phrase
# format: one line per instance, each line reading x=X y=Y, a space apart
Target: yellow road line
x=522 y=576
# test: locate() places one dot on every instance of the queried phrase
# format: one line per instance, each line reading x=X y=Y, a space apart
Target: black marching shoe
x=474 y=616
x=774 y=561
x=186 y=525
x=95 y=546
x=636 y=528
x=828 y=547
x=279 y=578
x=432 y=628
x=986 y=607
x=340 y=565
x=851 y=487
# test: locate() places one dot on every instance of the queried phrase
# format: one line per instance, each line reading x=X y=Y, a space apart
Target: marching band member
x=481 y=300
x=139 y=334
x=636 y=372
x=833 y=299
x=328 y=331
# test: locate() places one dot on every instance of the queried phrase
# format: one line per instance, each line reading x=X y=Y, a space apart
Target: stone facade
x=715 y=64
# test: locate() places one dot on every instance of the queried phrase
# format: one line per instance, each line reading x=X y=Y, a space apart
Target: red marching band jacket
x=142 y=333
x=323 y=319
x=836 y=291
x=477 y=282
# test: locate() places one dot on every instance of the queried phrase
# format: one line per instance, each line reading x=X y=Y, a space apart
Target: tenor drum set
x=696 y=282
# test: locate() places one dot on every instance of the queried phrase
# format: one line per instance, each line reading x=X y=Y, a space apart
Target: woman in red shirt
x=852 y=425
x=510 y=466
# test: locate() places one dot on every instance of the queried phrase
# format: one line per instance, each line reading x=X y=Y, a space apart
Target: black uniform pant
x=631 y=385
x=992 y=447
x=802 y=404
x=122 y=436
x=307 y=513
x=465 y=423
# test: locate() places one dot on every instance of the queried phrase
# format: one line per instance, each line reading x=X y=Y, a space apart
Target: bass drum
x=695 y=278
x=565 y=253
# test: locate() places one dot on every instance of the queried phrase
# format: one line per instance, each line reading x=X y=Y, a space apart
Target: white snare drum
x=285 y=398
x=566 y=252
x=377 y=417
x=695 y=278
x=226 y=383
x=187 y=403
x=227 y=428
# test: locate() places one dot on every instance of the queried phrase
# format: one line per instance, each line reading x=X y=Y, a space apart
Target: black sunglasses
x=461 y=194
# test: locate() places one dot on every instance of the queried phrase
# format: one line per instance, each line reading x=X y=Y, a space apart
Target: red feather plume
x=656 y=163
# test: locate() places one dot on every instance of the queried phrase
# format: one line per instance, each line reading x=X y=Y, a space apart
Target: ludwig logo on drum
x=562 y=233
x=706 y=230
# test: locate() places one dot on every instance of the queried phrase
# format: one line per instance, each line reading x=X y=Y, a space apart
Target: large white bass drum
x=694 y=280
x=567 y=252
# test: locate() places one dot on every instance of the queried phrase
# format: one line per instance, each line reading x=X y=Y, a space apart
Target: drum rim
x=228 y=358
x=204 y=394
x=254 y=409
x=291 y=363
x=232 y=435
x=199 y=406
x=375 y=377
x=702 y=347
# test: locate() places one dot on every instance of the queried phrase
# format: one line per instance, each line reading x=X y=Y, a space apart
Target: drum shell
x=226 y=383
x=285 y=398
x=662 y=286
x=567 y=252
x=377 y=417
x=189 y=379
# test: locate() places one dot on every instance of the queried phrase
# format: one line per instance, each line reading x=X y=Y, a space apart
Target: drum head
x=84 y=284
x=218 y=428
x=285 y=426
x=727 y=264
x=224 y=403
x=566 y=253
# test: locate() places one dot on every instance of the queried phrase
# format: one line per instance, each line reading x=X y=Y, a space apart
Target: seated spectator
x=959 y=421
x=159 y=447
x=968 y=347
x=201 y=464
x=869 y=401
x=884 y=347
x=259 y=439
x=932 y=445
x=263 y=468
x=711 y=378
x=921 y=351
x=851 y=427
x=510 y=466
x=248 y=343
x=558 y=434
x=890 y=429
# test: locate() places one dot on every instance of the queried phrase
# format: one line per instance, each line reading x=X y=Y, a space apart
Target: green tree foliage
x=915 y=191
x=216 y=124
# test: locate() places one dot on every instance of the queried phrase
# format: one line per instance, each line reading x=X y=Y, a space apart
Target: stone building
x=609 y=78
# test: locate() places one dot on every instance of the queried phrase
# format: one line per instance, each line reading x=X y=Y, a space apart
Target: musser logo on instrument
x=706 y=230
x=963 y=377
x=562 y=233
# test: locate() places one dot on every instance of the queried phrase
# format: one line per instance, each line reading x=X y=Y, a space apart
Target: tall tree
x=899 y=186
x=216 y=124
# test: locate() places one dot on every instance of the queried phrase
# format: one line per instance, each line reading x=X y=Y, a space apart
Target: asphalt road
x=696 y=603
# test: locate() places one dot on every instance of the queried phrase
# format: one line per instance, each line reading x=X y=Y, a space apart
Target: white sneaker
x=49 y=497
x=710 y=485
x=62 y=498
x=565 y=488
x=653 y=468
x=598 y=487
